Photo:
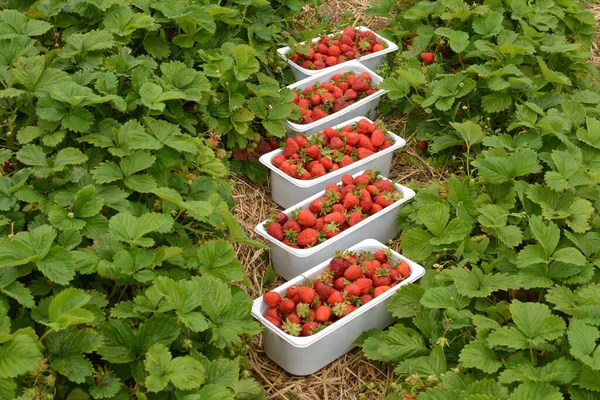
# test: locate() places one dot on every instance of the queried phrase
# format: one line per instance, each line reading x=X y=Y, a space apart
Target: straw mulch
x=595 y=60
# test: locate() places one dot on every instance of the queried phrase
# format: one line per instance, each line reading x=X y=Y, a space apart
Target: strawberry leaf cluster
x=509 y=102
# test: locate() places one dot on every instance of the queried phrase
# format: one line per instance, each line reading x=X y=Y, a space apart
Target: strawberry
x=365 y=298
x=338 y=265
x=274 y=229
x=352 y=290
x=349 y=309
x=306 y=294
x=336 y=217
x=378 y=47
x=273 y=312
x=347 y=40
x=351 y=201
x=272 y=299
x=293 y=318
x=339 y=309
x=330 y=132
x=427 y=57
x=350 y=32
x=317 y=205
x=350 y=94
x=318 y=170
x=307 y=237
x=364 y=153
x=291 y=328
x=326 y=163
x=319 y=64
x=331 y=229
x=337 y=77
x=381 y=256
x=365 y=142
x=386 y=143
x=365 y=285
x=313 y=151
x=291 y=147
x=380 y=290
x=381 y=277
x=377 y=138
x=334 y=51
x=335 y=297
x=360 y=85
x=340 y=283
x=323 y=290
x=301 y=140
x=322 y=314
x=278 y=160
x=286 y=306
x=347 y=180
x=352 y=138
x=339 y=103
x=395 y=275
x=274 y=321
x=422 y=145
x=308 y=328
x=306 y=218
x=354 y=218
x=336 y=143
x=353 y=273
x=319 y=224
x=384 y=185
x=403 y=268
x=318 y=113
x=347 y=160
x=362 y=127
x=371 y=266
x=330 y=61
x=362 y=180
x=292 y=292
x=385 y=199
x=291 y=225
x=302 y=310
x=321 y=48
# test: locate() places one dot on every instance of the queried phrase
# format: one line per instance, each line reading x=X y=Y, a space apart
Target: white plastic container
x=288 y=262
x=306 y=355
x=371 y=61
x=287 y=191
x=365 y=107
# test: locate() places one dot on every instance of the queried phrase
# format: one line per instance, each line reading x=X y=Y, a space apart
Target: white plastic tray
x=371 y=61
x=306 y=355
x=365 y=107
x=289 y=262
x=287 y=191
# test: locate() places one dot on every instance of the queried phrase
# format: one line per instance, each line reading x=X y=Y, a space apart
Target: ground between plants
x=351 y=376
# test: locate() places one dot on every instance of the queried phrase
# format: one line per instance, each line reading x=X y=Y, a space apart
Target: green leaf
x=459 y=40
x=395 y=344
x=591 y=135
x=74 y=366
x=18 y=356
x=58 y=266
x=223 y=372
x=86 y=203
x=31 y=72
x=488 y=25
x=469 y=131
x=546 y=234
x=118 y=344
x=406 y=302
x=588 y=379
x=123 y=22
x=158 y=329
x=583 y=338
x=108 y=387
x=496 y=102
x=107 y=172
x=444 y=297
x=435 y=217
x=475 y=283
x=569 y=255
x=183 y=372
x=15 y=24
x=502 y=169
x=217 y=258
x=65 y=309
x=478 y=354
x=536 y=391
x=246 y=63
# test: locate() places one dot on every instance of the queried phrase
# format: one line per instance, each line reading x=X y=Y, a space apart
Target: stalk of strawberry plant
x=507 y=308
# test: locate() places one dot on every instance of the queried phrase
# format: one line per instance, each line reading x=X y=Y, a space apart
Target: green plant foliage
x=507 y=308
x=116 y=223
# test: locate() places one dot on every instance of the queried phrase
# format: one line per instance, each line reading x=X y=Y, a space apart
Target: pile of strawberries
x=351 y=280
x=336 y=49
x=340 y=208
x=331 y=149
x=319 y=100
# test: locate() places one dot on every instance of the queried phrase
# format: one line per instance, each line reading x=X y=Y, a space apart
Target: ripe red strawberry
x=347 y=180
x=378 y=47
x=338 y=265
x=318 y=170
x=326 y=163
x=319 y=224
x=318 y=113
x=427 y=57
x=330 y=61
x=306 y=294
x=335 y=297
x=365 y=298
x=381 y=278
x=350 y=94
x=308 y=328
x=336 y=143
x=330 y=132
x=354 y=218
x=422 y=145
x=293 y=318
x=291 y=147
x=340 y=283
x=322 y=314
x=365 y=285
x=306 y=218
x=319 y=64
x=272 y=299
x=353 y=273
x=349 y=309
x=286 y=306
x=302 y=310
x=334 y=51
x=292 y=292
x=339 y=103
x=331 y=229
x=362 y=180
x=273 y=313
x=385 y=199
x=350 y=31
x=307 y=237
x=336 y=217
x=403 y=268
x=353 y=290
x=347 y=160
x=364 y=153
x=377 y=138
x=347 y=40
x=317 y=205
x=384 y=185
x=274 y=321
x=291 y=225
x=378 y=291
x=351 y=201
x=386 y=143
x=301 y=140
x=274 y=229
x=323 y=290
x=278 y=160
x=371 y=266
x=395 y=275
x=313 y=151
x=381 y=256
x=322 y=48
x=360 y=85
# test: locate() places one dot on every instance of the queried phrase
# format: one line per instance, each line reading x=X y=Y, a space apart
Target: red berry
x=308 y=328
x=335 y=297
x=306 y=218
x=403 y=268
x=306 y=294
x=380 y=290
x=427 y=57
x=353 y=290
x=274 y=229
x=307 y=237
x=272 y=299
x=274 y=321
x=287 y=306
x=353 y=273
x=322 y=314
x=422 y=145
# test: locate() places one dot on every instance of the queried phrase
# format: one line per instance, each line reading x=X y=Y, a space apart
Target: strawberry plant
x=506 y=310
x=116 y=223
